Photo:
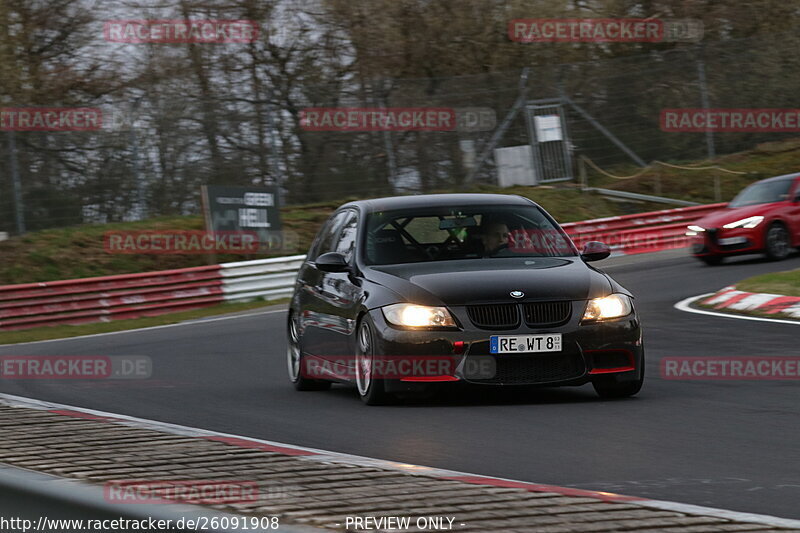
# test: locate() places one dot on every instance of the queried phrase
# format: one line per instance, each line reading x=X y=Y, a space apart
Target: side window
x=347 y=238
x=325 y=238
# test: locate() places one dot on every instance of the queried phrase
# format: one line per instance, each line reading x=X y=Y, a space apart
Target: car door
x=312 y=308
x=340 y=294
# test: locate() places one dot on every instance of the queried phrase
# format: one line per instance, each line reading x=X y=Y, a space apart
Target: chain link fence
x=157 y=147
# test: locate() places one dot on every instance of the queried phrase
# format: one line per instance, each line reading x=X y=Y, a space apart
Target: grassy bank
x=77 y=252
x=785 y=283
x=763 y=161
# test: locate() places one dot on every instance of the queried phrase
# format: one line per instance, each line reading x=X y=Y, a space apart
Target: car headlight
x=694 y=230
x=418 y=316
x=607 y=307
x=748 y=223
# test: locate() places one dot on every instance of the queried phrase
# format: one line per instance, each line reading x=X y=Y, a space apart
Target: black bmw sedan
x=400 y=294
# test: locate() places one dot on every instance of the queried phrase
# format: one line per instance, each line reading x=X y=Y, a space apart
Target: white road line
x=327 y=456
x=192 y=322
x=685 y=305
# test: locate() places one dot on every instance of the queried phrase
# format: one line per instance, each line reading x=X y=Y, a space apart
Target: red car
x=763 y=218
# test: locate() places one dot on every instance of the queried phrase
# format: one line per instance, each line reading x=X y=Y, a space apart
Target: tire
x=712 y=260
x=370 y=390
x=609 y=389
x=778 y=241
x=294 y=362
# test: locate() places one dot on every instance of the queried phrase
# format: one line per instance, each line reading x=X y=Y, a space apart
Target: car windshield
x=467 y=232
x=763 y=192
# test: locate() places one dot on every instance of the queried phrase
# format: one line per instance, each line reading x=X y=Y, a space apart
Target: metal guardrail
x=124 y=296
x=637 y=196
x=268 y=279
x=642 y=232
x=153 y=293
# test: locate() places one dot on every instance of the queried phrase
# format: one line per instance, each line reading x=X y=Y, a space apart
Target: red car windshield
x=763 y=192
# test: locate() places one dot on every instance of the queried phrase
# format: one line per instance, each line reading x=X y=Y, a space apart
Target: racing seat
x=388 y=247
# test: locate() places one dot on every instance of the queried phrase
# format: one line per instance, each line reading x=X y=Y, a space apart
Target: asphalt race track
x=732 y=445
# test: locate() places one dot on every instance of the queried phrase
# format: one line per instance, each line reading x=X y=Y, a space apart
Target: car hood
x=491 y=280
x=726 y=215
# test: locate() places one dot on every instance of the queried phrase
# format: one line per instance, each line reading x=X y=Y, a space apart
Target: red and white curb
x=336 y=457
x=772 y=304
x=731 y=299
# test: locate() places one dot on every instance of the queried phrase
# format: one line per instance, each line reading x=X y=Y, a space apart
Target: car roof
x=391 y=203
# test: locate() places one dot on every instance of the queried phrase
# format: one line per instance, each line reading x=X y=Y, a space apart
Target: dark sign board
x=250 y=209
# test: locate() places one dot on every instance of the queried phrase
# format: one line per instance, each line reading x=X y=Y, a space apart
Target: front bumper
x=722 y=241
x=607 y=350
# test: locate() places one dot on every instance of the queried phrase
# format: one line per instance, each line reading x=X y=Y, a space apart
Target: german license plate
x=550 y=342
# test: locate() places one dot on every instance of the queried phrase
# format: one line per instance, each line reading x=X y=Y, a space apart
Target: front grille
x=497 y=316
x=539 y=314
x=532 y=369
x=507 y=316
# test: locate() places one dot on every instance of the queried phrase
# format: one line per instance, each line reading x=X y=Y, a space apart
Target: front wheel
x=778 y=242
x=370 y=387
x=608 y=388
x=294 y=362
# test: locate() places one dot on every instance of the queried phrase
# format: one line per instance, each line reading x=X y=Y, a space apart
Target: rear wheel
x=778 y=243
x=370 y=388
x=294 y=362
x=608 y=388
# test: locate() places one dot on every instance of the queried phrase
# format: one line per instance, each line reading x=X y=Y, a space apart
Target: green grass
x=785 y=283
x=763 y=161
x=62 y=332
x=77 y=252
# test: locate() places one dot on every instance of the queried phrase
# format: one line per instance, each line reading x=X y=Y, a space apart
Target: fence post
x=273 y=148
x=701 y=78
x=387 y=135
x=133 y=140
x=584 y=182
x=19 y=208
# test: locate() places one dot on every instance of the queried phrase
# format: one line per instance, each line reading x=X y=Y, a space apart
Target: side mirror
x=595 y=251
x=332 y=262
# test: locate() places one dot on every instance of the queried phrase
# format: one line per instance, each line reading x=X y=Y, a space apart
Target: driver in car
x=494 y=236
